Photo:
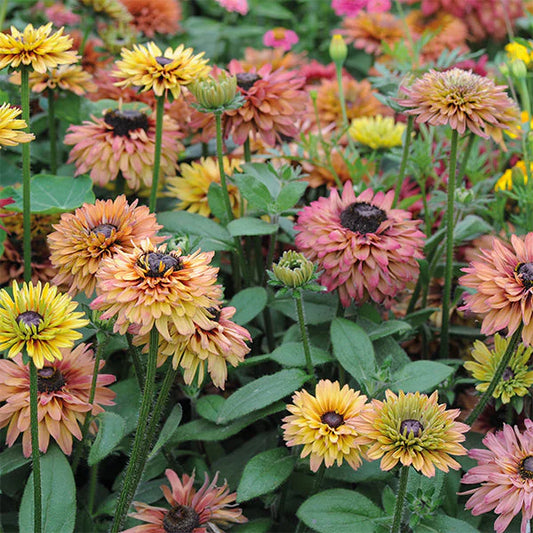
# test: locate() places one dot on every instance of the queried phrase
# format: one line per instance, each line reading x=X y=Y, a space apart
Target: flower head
x=216 y=93
x=237 y=6
x=377 y=132
x=81 y=241
x=517 y=175
x=63 y=398
x=280 y=38
x=516 y=50
x=150 y=68
x=503 y=278
x=192 y=511
x=462 y=100
x=412 y=429
x=349 y=8
x=325 y=424
x=505 y=471
x=155 y=16
x=516 y=378
x=35 y=48
x=39 y=320
x=10 y=127
x=113 y=9
x=366 y=248
x=292 y=270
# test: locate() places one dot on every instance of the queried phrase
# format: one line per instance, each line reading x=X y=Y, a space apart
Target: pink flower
x=238 y=6
x=350 y=8
x=3 y=203
x=280 y=38
x=505 y=471
x=378 y=6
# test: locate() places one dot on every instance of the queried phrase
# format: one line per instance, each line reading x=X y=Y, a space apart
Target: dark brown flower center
x=508 y=374
x=123 y=122
x=49 y=379
x=157 y=264
x=181 y=519
x=29 y=318
x=104 y=229
x=411 y=426
x=332 y=419
x=526 y=467
x=524 y=271
x=245 y=80
x=361 y=217
x=215 y=313
x=163 y=61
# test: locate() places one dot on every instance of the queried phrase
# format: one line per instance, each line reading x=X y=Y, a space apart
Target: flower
x=82 y=240
x=503 y=278
x=216 y=93
x=35 y=48
x=275 y=57
x=150 y=287
x=3 y=203
x=350 y=8
x=63 y=398
x=59 y=15
x=237 y=6
x=280 y=38
x=505 y=471
x=221 y=342
x=517 y=173
x=113 y=9
x=150 y=68
x=516 y=378
x=10 y=126
x=192 y=511
x=193 y=186
x=413 y=429
x=274 y=102
x=366 y=248
x=39 y=320
x=516 y=50
x=325 y=424
x=154 y=16
x=122 y=141
x=377 y=132
x=292 y=270
x=462 y=100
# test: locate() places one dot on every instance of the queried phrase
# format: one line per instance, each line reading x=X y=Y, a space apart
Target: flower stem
x=448 y=269
x=26 y=174
x=304 y=334
x=35 y=454
x=52 y=130
x=247 y=151
x=220 y=158
x=130 y=485
x=157 y=149
x=398 y=508
x=93 y=478
x=137 y=363
x=405 y=157
x=3 y=11
x=342 y=99
x=504 y=362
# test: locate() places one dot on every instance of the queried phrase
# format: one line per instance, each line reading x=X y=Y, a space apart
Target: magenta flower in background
x=238 y=6
x=350 y=8
x=280 y=38
x=378 y=6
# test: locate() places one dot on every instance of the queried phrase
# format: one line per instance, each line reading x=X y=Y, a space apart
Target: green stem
x=3 y=11
x=52 y=130
x=407 y=31
x=398 y=508
x=487 y=395
x=247 y=151
x=93 y=478
x=405 y=157
x=35 y=454
x=448 y=269
x=466 y=155
x=120 y=184
x=160 y=109
x=138 y=450
x=26 y=173
x=304 y=335
x=137 y=363
x=220 y=158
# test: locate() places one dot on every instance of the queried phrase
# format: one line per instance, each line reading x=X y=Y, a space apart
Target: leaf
x=289 y=195
x=54 y=194
x=440 y=523
x=11 y=459
x=169 y=428
x=339 y=510
x=353 y=349
x=388 y=328
x=261 y=525
x=264 y=473
x=292 y=354
x=318 y=308
x=209 y=406
x=254 y=192
x=249 y=303
x=251 y=226
x=264 y=174
x=368 y=471
x=111 y=430
x=260 y=393
x=58 y=495
x=215 y=199
x=127 y=402
x=469 y=228
x=420 y=376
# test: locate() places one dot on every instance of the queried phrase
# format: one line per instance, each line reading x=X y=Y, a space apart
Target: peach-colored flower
x=280 y=38
x=237 y=6
x=154 y=16
x=275 y=57
x=63 y=398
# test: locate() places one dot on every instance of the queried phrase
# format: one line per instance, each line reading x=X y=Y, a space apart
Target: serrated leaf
x=420 y=376
x=251 y=226
x=248 y=304
x=111 y=430
x=169 y=428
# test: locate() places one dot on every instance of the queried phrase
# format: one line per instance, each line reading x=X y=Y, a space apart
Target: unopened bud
x=338 y=49
x=215 y=93
x=518 y=69
x=293 y=270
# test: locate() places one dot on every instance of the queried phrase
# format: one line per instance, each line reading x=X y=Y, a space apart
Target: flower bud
x=338 y=49
x=215 y=93
x=293 y=270
x=518 y=69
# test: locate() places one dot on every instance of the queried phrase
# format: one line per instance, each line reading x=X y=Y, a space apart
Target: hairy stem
x=398 y=508
x=160 y=109
x=35 y=454
x=26 y=173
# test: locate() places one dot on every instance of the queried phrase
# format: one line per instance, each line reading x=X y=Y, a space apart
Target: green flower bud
x=518 y=69
x=293 y=270
x=215 y=94
x=338 y=49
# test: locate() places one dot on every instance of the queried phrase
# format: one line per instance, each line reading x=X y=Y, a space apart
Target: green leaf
x=292 y=354
x=260 y=393
x=54 y=194
x=169 y=428
x=469 y=228
x=264 y=174
x=254 y=192
x=368 y=471
x=261 y=525
x=289 y=195
x=388 y=328
x=127 y=402
x=319 y=308
x=111 y=430
x=339 y=510
x=11 y=459
x=420 y=376
x=215 y=199
x=3 y=236
x=248 y=304
x=209 y=406
x=265 y=473
x=272 y=10
x=58 y=495
x=353 y=349
x=440 y=523
x=251 y=226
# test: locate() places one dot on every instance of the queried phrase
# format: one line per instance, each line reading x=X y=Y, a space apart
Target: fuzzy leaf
x=420 y=376
x=111 y=430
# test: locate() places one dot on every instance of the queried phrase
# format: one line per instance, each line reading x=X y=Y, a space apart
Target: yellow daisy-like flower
x=193 y=185
x=516 y=378
x=519 y=51
x=517 y=173
x=36 y=48
x=377 y=132
x=10 y=126
x=413 y=429
x=149 y=68
x=40 y=320
x=325 y=424
x=113 y=9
